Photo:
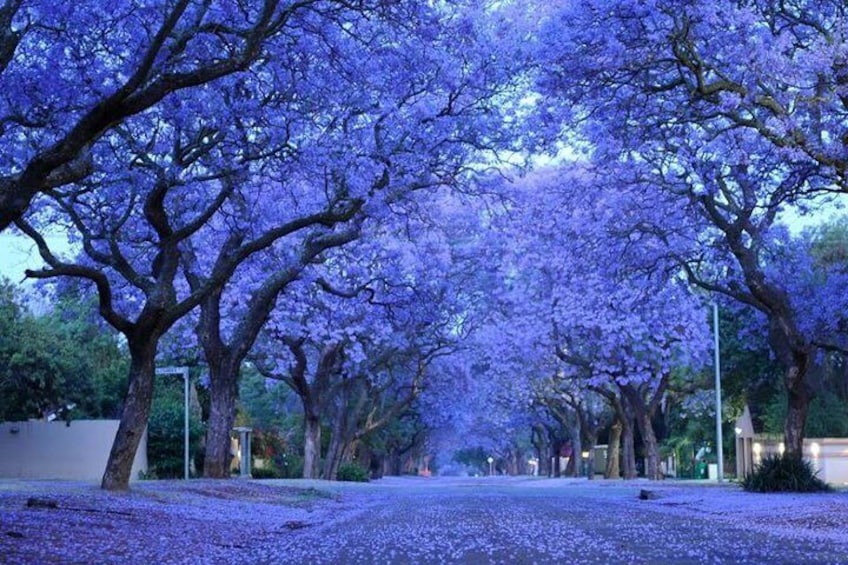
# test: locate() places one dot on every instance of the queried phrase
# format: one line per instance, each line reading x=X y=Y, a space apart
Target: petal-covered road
x=412 y=520
x=520 y=521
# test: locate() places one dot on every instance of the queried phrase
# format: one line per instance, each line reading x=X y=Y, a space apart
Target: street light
x=491 y=461
x=719 y=441
x=184 y=372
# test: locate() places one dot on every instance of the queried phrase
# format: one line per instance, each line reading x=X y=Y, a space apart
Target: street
x=502 y=520
x=416 y=520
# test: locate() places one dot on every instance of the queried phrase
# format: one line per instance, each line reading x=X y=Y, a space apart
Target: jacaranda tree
x=734 y=110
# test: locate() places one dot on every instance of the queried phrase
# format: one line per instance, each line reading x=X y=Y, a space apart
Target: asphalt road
x=525 y=521
x=412 y=520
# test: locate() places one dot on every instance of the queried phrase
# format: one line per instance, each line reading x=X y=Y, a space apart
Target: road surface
x=415 y=520
x=500 y=520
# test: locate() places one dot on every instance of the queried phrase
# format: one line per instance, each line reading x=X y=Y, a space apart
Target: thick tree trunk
x=224 y=370
x=311 y=447
x=628 y=449
x=540 y=447
x=575 y=464
x=643 y=414
x=591 y=441
x=556 y=465
x=799 y=397
x=334 y=450
x=612 y=470
x=649 y=441
x=134 y=416
x=339 y=445
x=223 y=392
x=624 y=418
x=590 y=426
x=514 y=468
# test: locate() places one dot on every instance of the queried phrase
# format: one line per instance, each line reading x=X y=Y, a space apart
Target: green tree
x=270 y=408
x=166 y=430
x=59 y=358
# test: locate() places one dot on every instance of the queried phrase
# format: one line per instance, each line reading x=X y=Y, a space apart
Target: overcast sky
x=18 y=253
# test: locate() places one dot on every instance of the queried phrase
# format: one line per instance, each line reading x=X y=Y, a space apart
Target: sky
x=18 y=253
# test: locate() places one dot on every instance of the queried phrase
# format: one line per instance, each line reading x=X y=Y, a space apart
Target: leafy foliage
x=352 y=472
x=828 y=415
x=57 y=358
x=166 y=433
x=269 y=472
x=784 y=473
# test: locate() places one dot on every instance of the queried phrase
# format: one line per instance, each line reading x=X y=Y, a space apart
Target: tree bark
x=643 y=412
x=333 y=460
x=540 y=446
x=223 y=392
x=591 y=441
x=649 y=441
x=799 y=399
x=134 y=416
x=628 y=449
x=342 y=436
x=612 y=470
x=624 y=416
x=576 y=461
x=591 y=423
x=311 y=446
x=556 y=467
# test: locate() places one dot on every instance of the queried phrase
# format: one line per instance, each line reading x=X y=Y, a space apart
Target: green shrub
x=290 y=465
x=265 y=473
x=352 y=472
x=784 y=473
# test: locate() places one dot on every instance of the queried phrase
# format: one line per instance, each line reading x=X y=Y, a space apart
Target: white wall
x=54 y=450
x=829 y=456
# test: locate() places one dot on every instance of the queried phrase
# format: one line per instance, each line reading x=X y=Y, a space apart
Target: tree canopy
x=507 y=219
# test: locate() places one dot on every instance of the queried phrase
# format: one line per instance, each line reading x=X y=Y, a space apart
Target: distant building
x=829 y=456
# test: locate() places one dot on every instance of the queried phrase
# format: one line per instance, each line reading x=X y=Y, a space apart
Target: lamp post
x=719 y=440
x=491 y=461
x=184 y=372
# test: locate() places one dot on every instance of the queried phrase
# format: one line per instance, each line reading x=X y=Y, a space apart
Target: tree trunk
x=337 y=439
x=392 y=464
x=612 y=470
x=628 y=449
x=337 y=450
x=515 y=467
x=591 y=441
x=590 y=426
x=223 y=392
x=134 y=416
x=799 y=397
x=649 y=441
x=575 y=464
x=556 y=466
x=224 y=369
x=540 y=446
x=643 y=414
x=311 y=446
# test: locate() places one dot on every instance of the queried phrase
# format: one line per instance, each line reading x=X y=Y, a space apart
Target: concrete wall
x=54 y=450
